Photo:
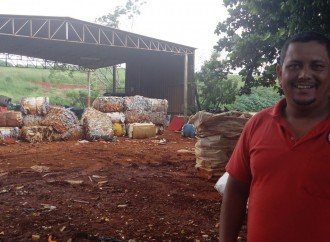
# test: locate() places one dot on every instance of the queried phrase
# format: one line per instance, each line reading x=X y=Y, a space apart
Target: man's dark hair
x=305 y=37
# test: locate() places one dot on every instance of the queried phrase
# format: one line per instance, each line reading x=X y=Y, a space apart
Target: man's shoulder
x=262 y=116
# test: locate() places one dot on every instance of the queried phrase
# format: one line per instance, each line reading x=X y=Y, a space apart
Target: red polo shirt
x=289 y=179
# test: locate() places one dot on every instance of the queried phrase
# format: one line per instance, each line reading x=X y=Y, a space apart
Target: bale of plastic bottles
x=35 y=105
x=97 y=125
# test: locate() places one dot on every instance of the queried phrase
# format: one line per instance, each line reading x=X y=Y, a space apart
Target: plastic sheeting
x=35 y=105
x=11 y=119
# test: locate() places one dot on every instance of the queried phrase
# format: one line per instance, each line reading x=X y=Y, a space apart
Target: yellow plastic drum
x=118 y=129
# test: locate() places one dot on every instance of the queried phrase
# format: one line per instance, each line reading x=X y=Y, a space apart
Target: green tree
x=79 y=98
x=259 y=98
x=130 y=10
x=255 y=30
x=215 y=89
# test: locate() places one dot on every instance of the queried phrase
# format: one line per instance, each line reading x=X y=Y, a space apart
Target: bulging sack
x=221 y=183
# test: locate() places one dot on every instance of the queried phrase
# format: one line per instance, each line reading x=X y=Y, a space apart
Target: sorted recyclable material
x=158 y=105
x=109 y=104
x=156 y=117
x=9 y=132
x=32 y=120
x=61 y=119
x=11 y=119
x=137 y=103
x=35 y=105
x=136 y=116
x=74 y=133
x=117 y=117
x=97 y=125
x=36 y=134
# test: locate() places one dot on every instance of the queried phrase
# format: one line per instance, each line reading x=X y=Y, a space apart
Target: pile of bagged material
x=134 y=112
x=217 y=135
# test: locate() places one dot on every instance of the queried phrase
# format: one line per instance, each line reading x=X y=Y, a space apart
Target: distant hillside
x=62 y=87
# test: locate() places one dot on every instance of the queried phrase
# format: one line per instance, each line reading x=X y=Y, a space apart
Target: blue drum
x=188 y=130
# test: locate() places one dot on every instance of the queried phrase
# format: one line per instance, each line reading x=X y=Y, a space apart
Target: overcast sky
x=187 y=22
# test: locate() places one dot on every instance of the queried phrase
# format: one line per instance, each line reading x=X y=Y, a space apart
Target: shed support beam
x=89 y=88
x=185 y=88
x=114 y=78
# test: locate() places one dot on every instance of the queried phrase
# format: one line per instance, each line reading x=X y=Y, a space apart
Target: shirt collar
x=278 y=108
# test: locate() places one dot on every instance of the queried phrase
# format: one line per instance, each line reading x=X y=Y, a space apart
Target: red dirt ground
x=128 y=190
x=48 y=85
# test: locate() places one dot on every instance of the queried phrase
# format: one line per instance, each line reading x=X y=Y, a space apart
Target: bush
x=260 y=98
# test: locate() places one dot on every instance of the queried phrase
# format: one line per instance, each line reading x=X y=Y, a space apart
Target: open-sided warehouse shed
x=154 y=68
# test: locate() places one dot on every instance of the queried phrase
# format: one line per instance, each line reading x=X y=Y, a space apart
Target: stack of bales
x=42 y=122
x=217 y=135
x=113 y=107
x=10 y=124
x=134 y=110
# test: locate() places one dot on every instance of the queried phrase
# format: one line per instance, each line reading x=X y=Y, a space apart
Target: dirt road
x=128 y=190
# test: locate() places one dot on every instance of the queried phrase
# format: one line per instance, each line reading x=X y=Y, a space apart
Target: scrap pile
x=137 y=116
x=38 y=121
x=217 y=135
x=43 y=122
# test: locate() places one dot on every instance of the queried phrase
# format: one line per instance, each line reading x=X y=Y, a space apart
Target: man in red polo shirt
x=282 y=159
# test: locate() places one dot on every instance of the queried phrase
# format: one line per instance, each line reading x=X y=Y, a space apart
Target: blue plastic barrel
x=188 y=130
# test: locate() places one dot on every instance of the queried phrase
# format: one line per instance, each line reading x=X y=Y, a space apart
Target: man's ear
x=279 y=74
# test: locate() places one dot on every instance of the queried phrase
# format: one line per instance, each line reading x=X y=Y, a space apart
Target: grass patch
x=17 y=83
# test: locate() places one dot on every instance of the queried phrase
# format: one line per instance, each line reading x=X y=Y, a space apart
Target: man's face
x=305 y=75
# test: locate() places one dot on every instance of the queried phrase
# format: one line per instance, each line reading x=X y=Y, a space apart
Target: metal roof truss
x=71 y=30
